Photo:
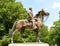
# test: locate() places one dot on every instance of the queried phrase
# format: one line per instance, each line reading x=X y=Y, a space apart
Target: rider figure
x=30 y=15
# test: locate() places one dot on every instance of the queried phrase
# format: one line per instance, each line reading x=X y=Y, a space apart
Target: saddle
x=30 y=23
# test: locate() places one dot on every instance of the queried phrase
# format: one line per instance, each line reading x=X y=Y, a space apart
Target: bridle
x=43 y=16
x=46 y=19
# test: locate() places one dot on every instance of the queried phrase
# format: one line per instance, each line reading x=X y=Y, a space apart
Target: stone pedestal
x=28 y=44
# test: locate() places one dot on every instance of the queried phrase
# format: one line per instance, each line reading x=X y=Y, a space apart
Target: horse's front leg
x=37 y=36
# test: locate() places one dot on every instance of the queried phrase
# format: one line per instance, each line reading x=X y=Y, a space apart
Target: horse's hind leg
x=13 y=35
x=21 y=34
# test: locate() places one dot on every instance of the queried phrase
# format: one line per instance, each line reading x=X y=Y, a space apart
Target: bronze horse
x=22 y=24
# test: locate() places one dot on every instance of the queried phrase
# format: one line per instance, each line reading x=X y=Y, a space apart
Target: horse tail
x=13 y=28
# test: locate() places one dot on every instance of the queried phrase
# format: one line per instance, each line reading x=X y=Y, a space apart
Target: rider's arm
x=30 y=14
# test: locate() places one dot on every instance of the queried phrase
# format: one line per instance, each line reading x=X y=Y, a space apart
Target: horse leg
x=37 y=35
x=21 y=33
x=13 y=35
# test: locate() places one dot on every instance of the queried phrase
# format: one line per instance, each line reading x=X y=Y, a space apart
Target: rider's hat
x=30 y=8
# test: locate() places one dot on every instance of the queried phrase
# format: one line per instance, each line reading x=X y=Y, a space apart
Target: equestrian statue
x=36 y=21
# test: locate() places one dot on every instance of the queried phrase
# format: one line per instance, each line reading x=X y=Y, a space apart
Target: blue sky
x=52 y=6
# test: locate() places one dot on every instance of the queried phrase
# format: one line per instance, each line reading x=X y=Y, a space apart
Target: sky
x=51 y=6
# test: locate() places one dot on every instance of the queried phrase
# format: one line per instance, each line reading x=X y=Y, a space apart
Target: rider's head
x=30 y=8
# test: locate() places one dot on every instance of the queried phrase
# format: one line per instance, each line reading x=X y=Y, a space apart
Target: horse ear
x=42 y=9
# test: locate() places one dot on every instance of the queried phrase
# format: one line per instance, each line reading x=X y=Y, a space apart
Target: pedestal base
x=28 y=44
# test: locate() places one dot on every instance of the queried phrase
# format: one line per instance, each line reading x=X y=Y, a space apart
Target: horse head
x=41 y=14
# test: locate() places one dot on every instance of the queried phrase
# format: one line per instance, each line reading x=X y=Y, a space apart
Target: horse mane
x=37 y=14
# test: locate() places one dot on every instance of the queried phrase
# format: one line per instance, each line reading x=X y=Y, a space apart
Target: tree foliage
x=53 y=36
x=10 y=11
x=56 y=32
x=43 y=33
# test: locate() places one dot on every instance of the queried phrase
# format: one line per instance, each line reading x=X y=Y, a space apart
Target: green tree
x=54 y=34
x=10 y=11
x=43 y=33
x=57 y=32
x=28 y=36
